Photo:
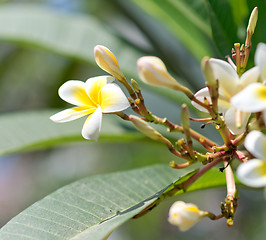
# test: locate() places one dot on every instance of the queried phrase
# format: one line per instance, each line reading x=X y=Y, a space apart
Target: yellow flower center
x=262 y=92
x=262 y=169
x=193 y=209
x=175 y=215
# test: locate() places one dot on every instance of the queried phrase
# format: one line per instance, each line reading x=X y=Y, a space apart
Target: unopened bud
x=208 y=72
x=230 y=222
x=253 y=21
x=180 y=142
x=147 y=130
x=135 y=86
x=153 y=71
x=184 y=117
x=106 y=60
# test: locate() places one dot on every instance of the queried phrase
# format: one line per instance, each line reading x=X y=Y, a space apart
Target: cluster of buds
x=234 y=100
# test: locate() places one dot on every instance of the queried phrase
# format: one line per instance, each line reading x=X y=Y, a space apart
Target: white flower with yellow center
x=253 y=172
x=253 y=97
x=94 y=97
x=229 y=85
x=185 y=215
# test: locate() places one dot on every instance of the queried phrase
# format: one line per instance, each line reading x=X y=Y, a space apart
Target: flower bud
x=135 y=86
x=147 y=130
x=106 y=60
x=185 y=116
x=153 y=71
x=185 y=215
x=208 y=72
x=253 y=21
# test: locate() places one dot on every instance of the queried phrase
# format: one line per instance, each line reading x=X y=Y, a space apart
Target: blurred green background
x=45 y=43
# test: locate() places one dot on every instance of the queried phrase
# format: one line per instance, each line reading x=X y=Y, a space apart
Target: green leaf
x=33 y=130
x=224 y=29
x=70 y=35
x=168 y=47
x=185 y=23
x=93 y=207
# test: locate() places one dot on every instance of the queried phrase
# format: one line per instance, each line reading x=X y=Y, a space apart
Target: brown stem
x=230 y=181
x=203 y=170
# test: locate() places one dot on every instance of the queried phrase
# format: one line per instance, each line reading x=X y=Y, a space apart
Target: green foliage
x=93 y=207
x=223 y=26
x=66 y=34
x=34 y=130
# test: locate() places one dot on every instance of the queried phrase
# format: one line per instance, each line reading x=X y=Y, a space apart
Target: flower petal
x=226 y=75
x=251 y=99
x=73 y=91
x=230 y=121
x=250 y=76
x=200 y=95
x=260 y=59
x=92 y=125
x=252 y=173
x=71 y=114
x=113 y=99
x=94 y=85
x=255 y=143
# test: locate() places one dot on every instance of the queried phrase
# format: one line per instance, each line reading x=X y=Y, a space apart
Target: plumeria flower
x=229 y=85
x=253 y=97
x=253 y=172
x=185 y=215
x=94 y=97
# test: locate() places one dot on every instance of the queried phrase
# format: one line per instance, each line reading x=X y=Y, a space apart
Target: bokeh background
x=37 y=58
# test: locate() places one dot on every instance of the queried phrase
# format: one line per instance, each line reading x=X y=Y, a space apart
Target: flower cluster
x=235 y=103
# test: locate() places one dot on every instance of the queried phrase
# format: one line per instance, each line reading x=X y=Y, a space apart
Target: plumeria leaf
x=73 y=36
x=170 y=49
x=93 y=207
x=33 y=130
x=178 y=16
x=223 y=25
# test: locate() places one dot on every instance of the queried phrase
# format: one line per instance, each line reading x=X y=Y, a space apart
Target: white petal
x=71 y=114
x=226 y=75
x=260 y=59
x=92 y=125
x=113 y=99
x=251 y=99
x=94 y=86
x=223 y=105
x=73 y=91
x=255 y=143
x=250 y=76
x=200 y=95
x=252 y=173
x=230 y=121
